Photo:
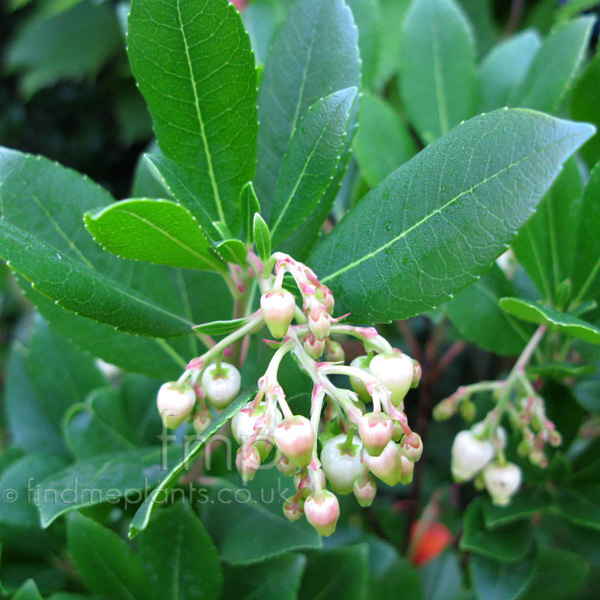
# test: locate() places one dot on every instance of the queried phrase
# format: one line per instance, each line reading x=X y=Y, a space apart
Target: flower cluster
x=351 y=436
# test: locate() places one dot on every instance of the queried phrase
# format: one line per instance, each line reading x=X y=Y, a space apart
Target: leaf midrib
x=439 y=210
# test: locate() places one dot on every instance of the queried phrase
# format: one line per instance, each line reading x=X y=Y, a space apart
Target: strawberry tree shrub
x=341 y=340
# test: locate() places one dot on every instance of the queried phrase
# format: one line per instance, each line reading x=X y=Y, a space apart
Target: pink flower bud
x=221 y=384
x=325 y=297
x=314 y=346
x=376 y=430
x=365 y=490
x=322 y=511
x=334 y=352
x=295 y=438
x=247 y=462
x=256 y=423
x=175 y=403
x=417 y=372
x=278 y=307
x=387 y=466
x=342 y=465
x=395 y=370
x=502 y=482
x=303 y=480
x=407 y=471
x=284 y=465
x=411 y=446
x=202 y=419
x=469 y=455
x=293 y=509
x=319 y=323
x=360 y=362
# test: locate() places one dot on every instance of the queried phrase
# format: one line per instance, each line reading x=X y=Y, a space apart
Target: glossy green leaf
x=262 y=237
x=187 y=567
x=546 y=245
x=262 y=19
x=368 y=21
x=105 y=562
x=310 y=162
x=554 y=67
x=557 y=370
x=72 y=45
x=232 y=250
x=438 y=78
x=397 y=581
x=523 y=506
x=583 y=106
x=249 y=204
x=581 y=504
x=314 y=54
x=508 y=543
x=28 y=591
x=147 y=182
x=476 y=313
x=494 y=580
x=167 y=481
x=392 y=16
x=221 y=327
x=502 y=71
x=201 y=92
x=382 y=142
x=586 y=277
x=139 y=396
x=275 y=579
x=337 y=574
x=540 y=314
x=424 y=238
x=104 y=478
x=154 y=231
x=481 y=15
x=441 y=577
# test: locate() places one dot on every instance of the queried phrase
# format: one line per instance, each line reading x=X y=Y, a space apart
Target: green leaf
x=424 y=238
x=262 y=237
x=154 y=231
x=555 y=66
x=105 y=562
x=534 y=312
x=583 y=106
x=250 y=205
x=139 y=395
x=159 y=494
x=188 y=565
x=337 y=574
x=441 y=577
x=392 y=16
x=231 y=250
x=72 y=45
x=275 y=579
x=382 y=142
x=28 y=591
x=508 y=543
x=546 y=245
x=314 y=54
x=397 y=581
x=481 y=15
x=71 y=284
x=262 y=19
x=368 y=21
x=438 y=78
x=310 y=162
x=586 y=277
x=247 y=523
x=557 y=370
x=476 y=313
x=581 y=504
x=147 y=182
x=201 y=92
x=221 y=327
x=503 y=69
x=523 y=506
x=103 y=478
x=495 y=580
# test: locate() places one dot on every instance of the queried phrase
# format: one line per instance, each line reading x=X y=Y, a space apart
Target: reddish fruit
x=433 y=541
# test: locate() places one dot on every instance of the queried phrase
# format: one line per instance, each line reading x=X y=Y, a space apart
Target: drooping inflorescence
x=342 y=443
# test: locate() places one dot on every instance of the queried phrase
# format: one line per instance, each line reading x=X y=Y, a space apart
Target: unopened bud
x=411 y=446
x=502 y=482
x=341 y=463
x=407 y=471
x=554 y=438
x=175 y=403
x=245 y=425
x=296 y=439
x=284 y=465
x=365 y=490
x=314 y=346
x=417 y=372
x=334 y=352
x=278 y=307
x=376 y=430
x=303 y=480
x=202 y=419
x=358 y=385
x=322 y=511
x=387 y=466
x=468 y=410
x=523 y=448
x=293 y=509
x=221 y=383
x=469 y=455
x=395 y=370
x=325 y=297
x=319 y=323
x=247 y=462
